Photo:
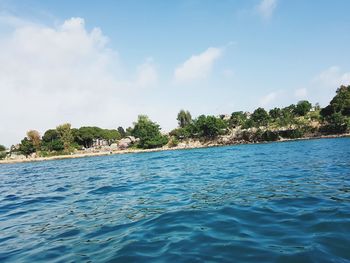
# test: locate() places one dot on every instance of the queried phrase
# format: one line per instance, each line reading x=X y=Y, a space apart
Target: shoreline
x=95 y=154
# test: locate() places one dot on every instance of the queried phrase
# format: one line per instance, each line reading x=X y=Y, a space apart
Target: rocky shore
x=188 y=144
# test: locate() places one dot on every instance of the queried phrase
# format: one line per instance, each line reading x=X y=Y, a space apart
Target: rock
x=114 y=147
x=125 y=143
x=15 y=156
x=132 y=139
x=182 y=145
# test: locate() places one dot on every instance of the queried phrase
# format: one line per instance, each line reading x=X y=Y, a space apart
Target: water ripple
x=278 y=202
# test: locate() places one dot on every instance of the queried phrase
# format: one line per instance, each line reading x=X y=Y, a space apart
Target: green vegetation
x=65 y=133
x=302 y=108
x=207 y=127
x=291 y=122
x=26 y=147
x=51 y=141
x=173 y=142
x=121 y=132
x=149 y=133
x=337 y=114
x=2 y=148
x=2 y=151
x=85 y=136
x=238 y=118
x=184 y=118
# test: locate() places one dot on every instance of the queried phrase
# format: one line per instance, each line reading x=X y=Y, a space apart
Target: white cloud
x=300 y=93
x=323 y=85
x=268 y=99
x=197 y=66
x=332 y=77
x=147 y=75
x=266 y=8
x=50 y=75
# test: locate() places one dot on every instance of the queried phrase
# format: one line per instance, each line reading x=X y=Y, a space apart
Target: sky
x=102 y=63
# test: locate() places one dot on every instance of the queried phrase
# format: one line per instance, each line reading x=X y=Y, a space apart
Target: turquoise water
x=278 y=202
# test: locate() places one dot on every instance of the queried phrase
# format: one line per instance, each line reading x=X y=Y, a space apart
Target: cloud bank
x=50 y=75
x=197 y=66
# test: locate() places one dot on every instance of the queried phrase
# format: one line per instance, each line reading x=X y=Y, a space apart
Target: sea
x=273 y=202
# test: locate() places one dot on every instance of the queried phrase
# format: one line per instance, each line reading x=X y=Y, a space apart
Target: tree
x=149 y=133
x=85 y=136
x=260 y=117
x=336 y=123
x=110 y=135
x=2 y=152
x=287 y=115
x=26 y=147
x=121 y=131
x=238 y=118
x=35 y=138
x=51 y=141
x=275 y=113
x=302 y=108
x=2 y=148
x=340 y=103
x=65 y=134
x=184 y=118
x=209 y=126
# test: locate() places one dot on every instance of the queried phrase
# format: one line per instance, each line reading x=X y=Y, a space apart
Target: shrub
x=336 y=123
x=2 y=155
x=2 y=148
x=173 y=142
x=270 y=136
x=291 y=134
x=181 y=133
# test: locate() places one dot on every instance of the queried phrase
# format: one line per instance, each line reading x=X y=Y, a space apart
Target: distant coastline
x=188 y=146
x=295 y=122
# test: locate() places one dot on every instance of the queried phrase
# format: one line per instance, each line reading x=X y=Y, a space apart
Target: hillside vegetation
x=294 y=121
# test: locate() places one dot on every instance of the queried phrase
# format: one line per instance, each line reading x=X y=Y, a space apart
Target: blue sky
x=103 y=63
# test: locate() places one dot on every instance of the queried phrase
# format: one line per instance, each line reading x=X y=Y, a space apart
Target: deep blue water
x=278 y=202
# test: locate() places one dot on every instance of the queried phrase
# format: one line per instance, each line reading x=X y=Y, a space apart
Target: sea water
x=276 y=202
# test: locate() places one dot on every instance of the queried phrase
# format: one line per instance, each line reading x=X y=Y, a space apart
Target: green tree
x=51 y=141
x=302 y=108
x=238 y=118
x=111 y=135
x=85 y=136
x=209 y=126
x=260 y=117
x=2 y=152
x=184 y=118
x=65 y=134
x=340 y=103
x=336 y=123
x=121 y=132
x=275 y=113
x=287 y=116
x=149 y=133
x=26 y=147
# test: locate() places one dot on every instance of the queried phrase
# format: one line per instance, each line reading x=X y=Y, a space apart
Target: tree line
x=295 y=119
